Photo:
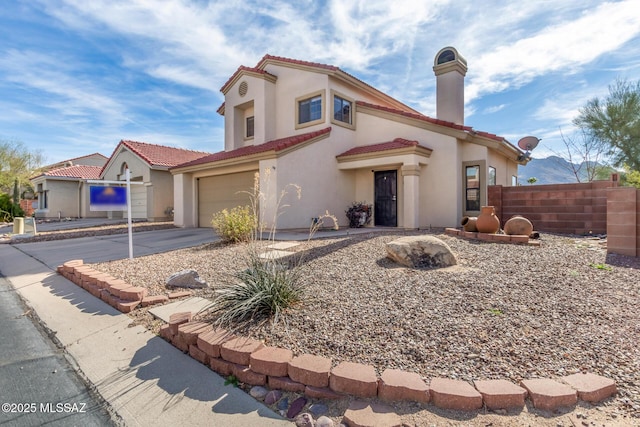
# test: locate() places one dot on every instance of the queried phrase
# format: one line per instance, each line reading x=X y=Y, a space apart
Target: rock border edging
x=253 y=363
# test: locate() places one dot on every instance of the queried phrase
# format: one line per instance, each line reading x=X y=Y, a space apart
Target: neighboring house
x=147 y=163
x=63 y=192
x=341 y=141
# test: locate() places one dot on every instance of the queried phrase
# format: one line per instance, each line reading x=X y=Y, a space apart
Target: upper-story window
x=249 y=128
x=309 y=109
x=342 y=112
x=341 y=109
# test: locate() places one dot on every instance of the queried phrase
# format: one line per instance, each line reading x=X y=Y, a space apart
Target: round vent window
x=242 y=90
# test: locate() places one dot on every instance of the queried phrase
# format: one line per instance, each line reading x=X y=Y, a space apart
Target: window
x=310 y=109
x=514 y=180
x=341 y=109
x=472 y=196
x=249 y=127
x=43 y=202
x=491 y=179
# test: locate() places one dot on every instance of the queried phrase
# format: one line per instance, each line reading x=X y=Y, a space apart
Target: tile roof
x=243 y=69
x=75 y=171
x=160 y=155
x=274 y=145
x=383 y=146
x=415 y=116
x=424 y=118
x=331 y=69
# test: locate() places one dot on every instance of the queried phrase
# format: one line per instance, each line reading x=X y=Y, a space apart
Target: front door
x=385 y=204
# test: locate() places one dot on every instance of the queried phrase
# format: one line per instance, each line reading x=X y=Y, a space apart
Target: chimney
x=450 y=68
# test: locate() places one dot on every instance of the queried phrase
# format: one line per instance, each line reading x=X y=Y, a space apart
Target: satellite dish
x=528 y=143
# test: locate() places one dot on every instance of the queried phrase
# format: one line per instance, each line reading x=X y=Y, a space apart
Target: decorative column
x=411 y=196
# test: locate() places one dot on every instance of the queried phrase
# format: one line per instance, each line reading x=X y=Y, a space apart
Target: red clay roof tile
x=75 y=171
x=383 y=146
x=160 y=155
x=274 y=145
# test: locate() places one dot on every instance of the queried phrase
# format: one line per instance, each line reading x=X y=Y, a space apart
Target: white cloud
x=565 y=46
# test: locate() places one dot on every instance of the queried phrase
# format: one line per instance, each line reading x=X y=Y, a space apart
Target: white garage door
x=216 y=193
x=138 y=202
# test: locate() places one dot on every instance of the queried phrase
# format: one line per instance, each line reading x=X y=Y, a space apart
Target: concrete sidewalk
x=146 y=380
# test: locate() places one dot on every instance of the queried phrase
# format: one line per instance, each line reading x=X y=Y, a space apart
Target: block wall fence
x=597 y=207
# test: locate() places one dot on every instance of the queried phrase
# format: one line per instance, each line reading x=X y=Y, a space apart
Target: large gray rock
x=186 y=279
x=421 y=252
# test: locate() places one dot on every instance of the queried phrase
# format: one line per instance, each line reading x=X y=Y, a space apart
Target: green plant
x=495 y=311
x=265 y=289
x=231 y=380
x=236 y=225
x=359 y=214
x=8 y=209
x=600 y=266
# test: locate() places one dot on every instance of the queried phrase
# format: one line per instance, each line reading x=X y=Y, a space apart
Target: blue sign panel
x=107 y=198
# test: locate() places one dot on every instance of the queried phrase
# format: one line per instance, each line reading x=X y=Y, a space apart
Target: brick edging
x=119 y=294
x=491 y=237
x=254 y=363
x=316 y=377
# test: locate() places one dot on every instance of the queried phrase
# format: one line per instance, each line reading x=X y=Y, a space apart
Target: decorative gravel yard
x=504 y=312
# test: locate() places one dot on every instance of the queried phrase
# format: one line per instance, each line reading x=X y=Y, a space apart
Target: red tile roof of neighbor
x=383 y=146
x=75 y=171
x=160 y=155
x=274 y=145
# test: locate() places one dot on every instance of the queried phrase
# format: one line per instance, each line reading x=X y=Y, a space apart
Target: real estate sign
x=107 y=198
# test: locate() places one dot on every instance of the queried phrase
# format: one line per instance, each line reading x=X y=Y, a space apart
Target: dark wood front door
x=385 y=204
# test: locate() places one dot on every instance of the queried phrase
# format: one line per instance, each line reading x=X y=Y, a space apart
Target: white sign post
x=128 y=183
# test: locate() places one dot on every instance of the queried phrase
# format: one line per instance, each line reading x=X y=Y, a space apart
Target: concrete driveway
x=108 y=248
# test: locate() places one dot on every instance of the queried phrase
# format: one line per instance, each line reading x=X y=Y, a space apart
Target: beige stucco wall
x=158 y=183
x=63 y=199
x=325 y=183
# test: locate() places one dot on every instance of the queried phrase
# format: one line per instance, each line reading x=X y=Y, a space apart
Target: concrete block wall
x=556 y=208
x=623 y=221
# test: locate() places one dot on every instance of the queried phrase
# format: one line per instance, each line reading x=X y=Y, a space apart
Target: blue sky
x=77 y=76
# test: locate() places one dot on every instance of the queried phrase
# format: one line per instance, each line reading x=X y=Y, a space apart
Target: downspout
x=80 y=185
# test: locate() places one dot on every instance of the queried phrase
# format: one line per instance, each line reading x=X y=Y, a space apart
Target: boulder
x=421 y=252
x=186 y=279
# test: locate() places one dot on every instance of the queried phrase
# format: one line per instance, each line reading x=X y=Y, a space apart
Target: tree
x=17 y=162
x=615 y=122
x=584 y=155
x=532 y=180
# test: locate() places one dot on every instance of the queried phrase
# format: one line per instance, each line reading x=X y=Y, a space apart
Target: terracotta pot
x=469 y=223
x=487 y=221
x=518 y=225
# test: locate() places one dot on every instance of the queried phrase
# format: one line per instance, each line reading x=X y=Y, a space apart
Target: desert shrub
x=236 y=225
x=264 y=290
x=8 y=209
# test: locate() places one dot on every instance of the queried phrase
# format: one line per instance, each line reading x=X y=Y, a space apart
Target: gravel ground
x=506 y=311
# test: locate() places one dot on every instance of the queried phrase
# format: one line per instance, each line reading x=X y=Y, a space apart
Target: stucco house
x=147 y=163
x=61 y=188
x=341 y=140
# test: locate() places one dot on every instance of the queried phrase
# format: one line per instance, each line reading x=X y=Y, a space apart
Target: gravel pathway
x=506 y=311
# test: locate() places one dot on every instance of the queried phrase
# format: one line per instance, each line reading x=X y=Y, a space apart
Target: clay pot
x=487 y=221
x=469 y=223
x=518 y=225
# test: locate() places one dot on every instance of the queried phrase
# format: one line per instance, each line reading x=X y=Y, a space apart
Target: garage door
x=138 y=202
x=216 y=193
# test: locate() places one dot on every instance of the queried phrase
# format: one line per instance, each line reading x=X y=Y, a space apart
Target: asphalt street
x=38 y=384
